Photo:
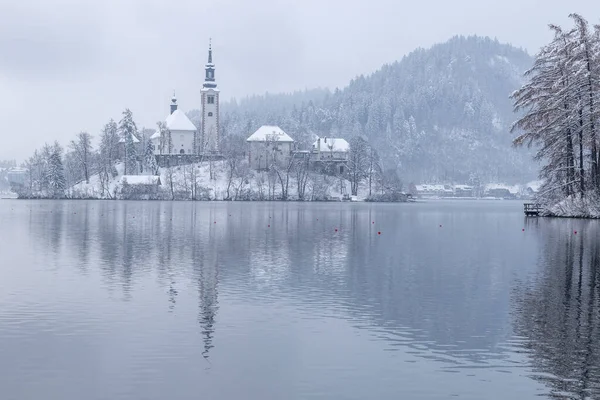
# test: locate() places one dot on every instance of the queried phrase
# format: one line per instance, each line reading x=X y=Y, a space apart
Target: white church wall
x=182 y=140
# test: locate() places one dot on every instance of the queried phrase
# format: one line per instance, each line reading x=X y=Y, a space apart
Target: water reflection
x=559 y=313
x=414 y=284
x=445 y=289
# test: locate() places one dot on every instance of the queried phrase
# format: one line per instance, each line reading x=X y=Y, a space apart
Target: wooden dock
x=532 y=209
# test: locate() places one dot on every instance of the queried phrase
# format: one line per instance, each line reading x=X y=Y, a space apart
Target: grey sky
x=71 y=65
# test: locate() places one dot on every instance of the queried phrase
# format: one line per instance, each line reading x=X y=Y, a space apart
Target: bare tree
x=82 y=150
x=374 y=167
x=357 y=163
x=302 y=169
x=283 y=169
x=170 y=178
x=241 y=178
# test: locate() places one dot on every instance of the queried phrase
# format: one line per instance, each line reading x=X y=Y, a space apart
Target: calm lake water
x=174 y=300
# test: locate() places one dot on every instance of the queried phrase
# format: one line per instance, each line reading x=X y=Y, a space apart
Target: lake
x=181 y=300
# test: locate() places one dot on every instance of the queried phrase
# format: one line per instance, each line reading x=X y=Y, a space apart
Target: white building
x=330 y=149
x=185 y=138
x=269 y=145
x=181 y=131
x=210 y=109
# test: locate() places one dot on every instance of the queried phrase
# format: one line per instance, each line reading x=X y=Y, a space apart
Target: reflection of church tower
x=210 y=108
x=208 y=296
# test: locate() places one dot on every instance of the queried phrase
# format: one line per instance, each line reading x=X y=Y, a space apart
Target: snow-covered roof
x=463 y=187
x=17 y=170
x=141 y=179
x=135 y=139
x=331 y=144
x=269 y=133
x=514 y=189
x=178 y=121
x=433 y=188
x=155 y=135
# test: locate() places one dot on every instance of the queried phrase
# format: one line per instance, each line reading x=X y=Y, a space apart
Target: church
x=179 y=136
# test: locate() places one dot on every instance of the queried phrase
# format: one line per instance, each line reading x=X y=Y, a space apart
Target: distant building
x=186 y=139
x=329 y=149
x=182 y=131
x=140 y=187
x=17 y=176
x=269 y=145
x=463 y=191
x=210 y=108
x=435 y=190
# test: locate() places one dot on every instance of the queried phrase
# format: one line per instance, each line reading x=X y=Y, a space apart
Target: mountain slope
x=439 y=114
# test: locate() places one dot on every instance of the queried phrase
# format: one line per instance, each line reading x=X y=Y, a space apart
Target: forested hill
x=438 y=114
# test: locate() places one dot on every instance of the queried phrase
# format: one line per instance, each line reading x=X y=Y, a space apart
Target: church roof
x=269 y=133
x=331 y=144
x=178 y=121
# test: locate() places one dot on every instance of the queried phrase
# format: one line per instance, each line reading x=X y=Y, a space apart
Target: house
x=180 y=131
x=17 y=176
x=267 y=146
x=140 y=187
x=329 y=149
x=463 y=191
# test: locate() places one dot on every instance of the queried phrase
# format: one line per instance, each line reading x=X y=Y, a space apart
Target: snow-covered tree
x=128 y=131
x=165 y=145
x=559 y=106
x=56 y=174
x=358 y=163
x=83 y=153
x=150 y=158
x=130 y=156
x=109 y=150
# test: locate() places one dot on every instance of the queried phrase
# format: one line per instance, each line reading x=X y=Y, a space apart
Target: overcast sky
x=71 y=65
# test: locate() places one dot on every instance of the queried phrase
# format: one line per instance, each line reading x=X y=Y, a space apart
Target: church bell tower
x=210 y=108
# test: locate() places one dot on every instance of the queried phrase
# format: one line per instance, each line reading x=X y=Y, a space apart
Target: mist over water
x=160 y=300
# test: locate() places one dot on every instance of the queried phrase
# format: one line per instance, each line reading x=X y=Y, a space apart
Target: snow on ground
x=575 y=207
x=92 y=189
x=217 y=187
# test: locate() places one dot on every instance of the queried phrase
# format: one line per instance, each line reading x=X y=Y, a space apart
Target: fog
x=68 y=66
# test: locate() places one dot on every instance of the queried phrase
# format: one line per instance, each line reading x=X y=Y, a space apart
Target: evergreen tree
x=150 y=158
x=128 y=130
x=130 y=156
x=56 y=174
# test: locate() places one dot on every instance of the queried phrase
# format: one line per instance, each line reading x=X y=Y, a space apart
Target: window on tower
x=210 y=99
x=210 y=114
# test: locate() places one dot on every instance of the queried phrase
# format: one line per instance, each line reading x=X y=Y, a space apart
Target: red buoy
x=215 y=222
x=336 y=229
x=575 y=232
x=379 y=233
x=268 y=226
x=523 y=229
x=373 y=221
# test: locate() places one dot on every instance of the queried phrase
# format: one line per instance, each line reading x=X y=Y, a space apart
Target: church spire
x=173 y=103
x=209 y=78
